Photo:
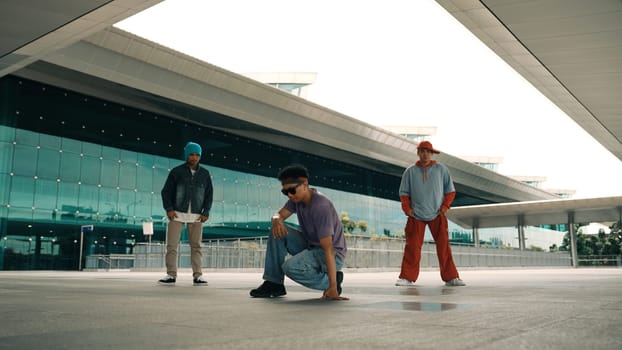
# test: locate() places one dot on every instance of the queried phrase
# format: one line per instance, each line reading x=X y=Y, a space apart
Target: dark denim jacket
x=182 y=188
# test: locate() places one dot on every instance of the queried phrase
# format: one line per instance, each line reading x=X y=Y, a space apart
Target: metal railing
x=600 y=260
x=363 y=252
x=110 y=262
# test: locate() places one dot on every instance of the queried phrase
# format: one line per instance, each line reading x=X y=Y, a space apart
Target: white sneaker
x=456 y=282
x=404 y=282
x=168 y=280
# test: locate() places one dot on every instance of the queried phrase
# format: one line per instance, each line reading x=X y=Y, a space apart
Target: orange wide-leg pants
x=414 y=231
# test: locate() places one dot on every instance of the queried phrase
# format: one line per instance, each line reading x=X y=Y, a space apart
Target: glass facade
x=51 y=186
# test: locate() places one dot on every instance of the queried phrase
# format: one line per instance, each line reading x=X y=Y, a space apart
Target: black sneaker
x=199 y=281
x=168 y=280
x=339 y=281
x=268 y=290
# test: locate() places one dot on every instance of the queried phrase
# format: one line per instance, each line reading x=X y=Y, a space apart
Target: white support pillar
x=476 y=233
x=521 y=232
x=573 y=240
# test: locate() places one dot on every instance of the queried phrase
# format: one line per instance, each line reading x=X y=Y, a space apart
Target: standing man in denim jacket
x=187 y=198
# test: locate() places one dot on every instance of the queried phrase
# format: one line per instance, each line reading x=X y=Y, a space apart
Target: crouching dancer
x=317 y=249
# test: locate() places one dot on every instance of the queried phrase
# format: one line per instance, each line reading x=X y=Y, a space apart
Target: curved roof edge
x=569 y=53
x=534 y=213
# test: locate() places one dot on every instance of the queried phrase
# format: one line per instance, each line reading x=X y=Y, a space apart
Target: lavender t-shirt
x=318 y=220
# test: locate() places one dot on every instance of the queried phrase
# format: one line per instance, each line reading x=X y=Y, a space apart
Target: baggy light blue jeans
x=306 y=265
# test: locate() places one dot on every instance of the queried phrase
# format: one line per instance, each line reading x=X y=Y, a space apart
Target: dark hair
x=293 y=172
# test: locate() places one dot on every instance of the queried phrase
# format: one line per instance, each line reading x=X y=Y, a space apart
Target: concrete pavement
x=498 y=309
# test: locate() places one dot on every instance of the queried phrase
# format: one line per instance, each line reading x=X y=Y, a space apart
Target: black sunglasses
x=291 y=190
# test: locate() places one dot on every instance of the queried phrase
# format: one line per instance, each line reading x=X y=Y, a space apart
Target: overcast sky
x=394 y=62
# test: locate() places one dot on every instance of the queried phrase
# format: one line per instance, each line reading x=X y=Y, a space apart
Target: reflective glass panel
x=22 y=192
x=128 y=156
x=46 y=192
x=70 y=167
x=25 y=160
x=144 y=178
x=91 y=149
x=6 y=157
x=90 y=170
x=68 y=197
x=110 y=153
x=88 y=201
x=127 y=177
x=109 y=202
x=143 y=205
x=127 y=203
x=5 y=186
x=71 y=146
x=110 y=173
x=26 y=137
x=48 y=164
x=159 y=178
x=7 y=134
x=49 y=142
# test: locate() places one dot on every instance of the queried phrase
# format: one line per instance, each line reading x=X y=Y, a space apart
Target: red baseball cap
x=427 y=145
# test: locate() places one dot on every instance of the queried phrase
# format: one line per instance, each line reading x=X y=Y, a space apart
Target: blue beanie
x=190 y=148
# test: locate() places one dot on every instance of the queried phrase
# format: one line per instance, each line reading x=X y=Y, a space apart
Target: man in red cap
x=426 y=193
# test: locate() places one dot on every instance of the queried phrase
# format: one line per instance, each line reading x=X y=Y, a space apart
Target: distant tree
x=350 y=226
x=362 y=225
x=616 y=229
x=599 y=244
x=615 y=238
x=344 y=220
